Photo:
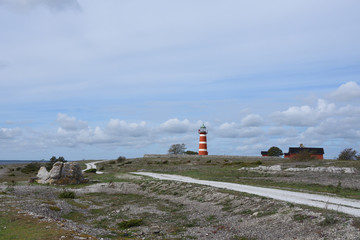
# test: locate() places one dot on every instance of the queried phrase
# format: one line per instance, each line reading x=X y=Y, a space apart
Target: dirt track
x=347 y=206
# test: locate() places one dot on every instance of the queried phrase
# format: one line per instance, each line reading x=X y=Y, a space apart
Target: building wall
x=316 y=156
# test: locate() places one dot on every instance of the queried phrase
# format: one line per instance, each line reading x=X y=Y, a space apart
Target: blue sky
x=88 y=79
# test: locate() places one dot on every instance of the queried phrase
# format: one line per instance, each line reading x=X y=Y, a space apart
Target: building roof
x=264 y=152
x=295 y=150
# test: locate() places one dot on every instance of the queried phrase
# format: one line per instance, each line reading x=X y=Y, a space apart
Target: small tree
x=53 y=160
x=177 y=149
x=275 y=151
x=348 y=154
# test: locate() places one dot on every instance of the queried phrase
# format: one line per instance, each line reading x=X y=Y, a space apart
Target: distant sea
x=5 y=162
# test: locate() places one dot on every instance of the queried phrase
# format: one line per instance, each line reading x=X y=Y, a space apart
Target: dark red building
x=317 y=153
x=264 y=153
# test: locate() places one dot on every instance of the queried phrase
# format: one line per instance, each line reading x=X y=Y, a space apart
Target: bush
x=92 y=170
x=53 y=160
x=67 y=194
x=31 y=168
x=54 y=208
x=120 y=159
x=130 y=223
x=275 y=152
x=329 y=220
x=348 y=154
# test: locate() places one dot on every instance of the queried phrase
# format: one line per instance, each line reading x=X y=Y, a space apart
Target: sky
x=88 y=79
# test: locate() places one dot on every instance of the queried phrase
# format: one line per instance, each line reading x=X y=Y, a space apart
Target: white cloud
x=174 y=125
x=251 y=120
x=70 y=123
x=56 y=5
x=234 y=130
x=304 y=115
x=123 y=128
x=347 y=91
x=9 y=133
x=228 y=130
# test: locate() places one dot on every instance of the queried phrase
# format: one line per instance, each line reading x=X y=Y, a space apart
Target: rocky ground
x=173 y=210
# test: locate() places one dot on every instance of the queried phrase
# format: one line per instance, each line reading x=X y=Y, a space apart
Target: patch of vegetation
x=300 y=217
x=49 y=202
x=211 y=218
x=121 y=159
x=74 y=215
x=31 y=168
x=241 y=238
x=77 y=204
x=67 y=194
x=16 y=226
x=356 y=223
x=329 y=220
x=92 y=170
x=247 y=212
x=52 y=161
x=54 y=208
x=130 y=223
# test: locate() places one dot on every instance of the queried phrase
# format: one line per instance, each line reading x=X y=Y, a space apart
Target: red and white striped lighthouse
x=202 y=142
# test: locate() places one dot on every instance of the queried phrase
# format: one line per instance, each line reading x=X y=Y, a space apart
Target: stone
x=155 y=229
x=55 y=172
x=62 y=174
x=43 y=175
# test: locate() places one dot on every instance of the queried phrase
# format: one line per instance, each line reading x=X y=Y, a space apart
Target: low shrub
x=92 y=170
x=300 y=217
x=54 y=208
x=120 y=159
x=67 y=194
x=31 y=168
x=130 y=223
x=329 y=220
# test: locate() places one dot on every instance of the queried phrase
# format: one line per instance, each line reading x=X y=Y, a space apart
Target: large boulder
x=61 y=174
x=42 y=175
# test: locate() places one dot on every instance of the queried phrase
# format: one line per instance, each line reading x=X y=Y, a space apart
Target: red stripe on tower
x=202 y=142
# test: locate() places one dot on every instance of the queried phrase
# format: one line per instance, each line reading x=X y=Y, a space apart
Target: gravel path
x=92 y=165
x=348 y=206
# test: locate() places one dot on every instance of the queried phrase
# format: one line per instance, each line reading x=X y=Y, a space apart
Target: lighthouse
x=202 y=142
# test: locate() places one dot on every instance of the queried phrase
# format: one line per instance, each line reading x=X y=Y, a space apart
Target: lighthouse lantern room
x=202 y=142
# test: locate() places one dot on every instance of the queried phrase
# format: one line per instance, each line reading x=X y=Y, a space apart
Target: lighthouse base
x=203 y=153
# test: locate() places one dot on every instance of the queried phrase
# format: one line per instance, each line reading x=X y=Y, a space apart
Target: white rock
x=43 y=175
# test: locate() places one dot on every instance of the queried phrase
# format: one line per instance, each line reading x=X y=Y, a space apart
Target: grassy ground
x=14 y=225
x=228 y=171
x=179 y=210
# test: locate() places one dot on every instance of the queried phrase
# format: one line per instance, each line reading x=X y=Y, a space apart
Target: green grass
x=130 y=223
x=15 y=226
x=77 y=204
x=67 y=194
x=75 y=216
x=54 y=208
